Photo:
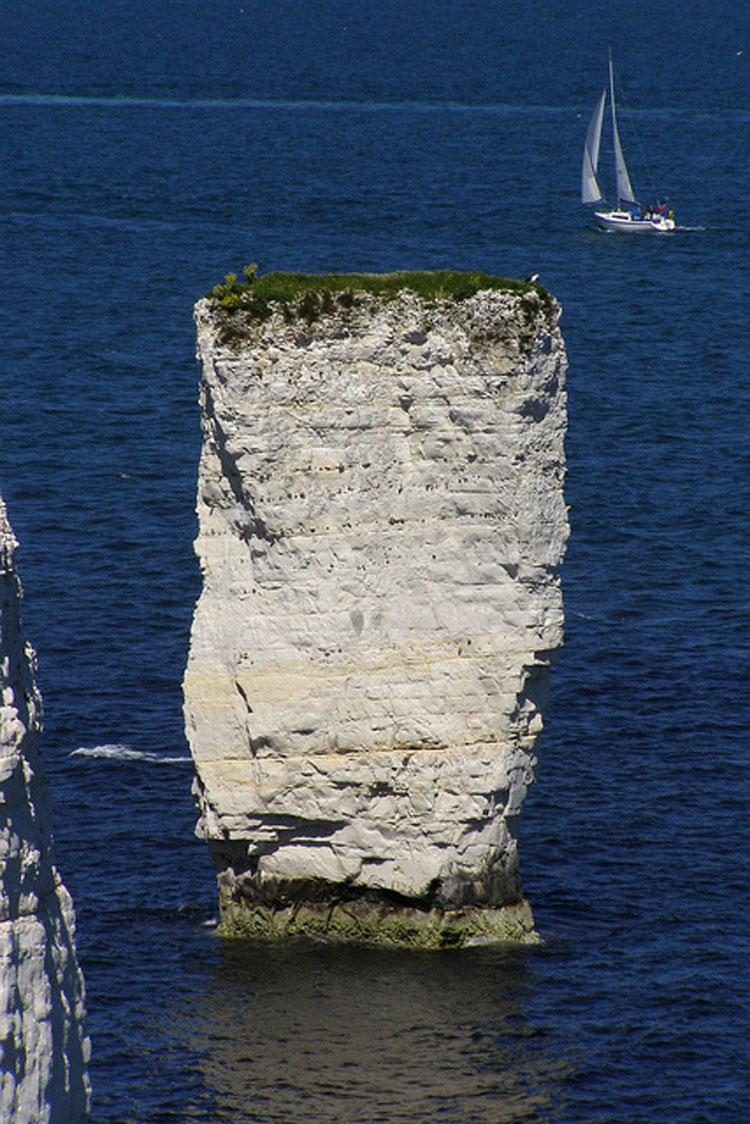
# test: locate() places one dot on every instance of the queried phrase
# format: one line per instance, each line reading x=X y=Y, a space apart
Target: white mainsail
x=625 y=192
x=590 y=190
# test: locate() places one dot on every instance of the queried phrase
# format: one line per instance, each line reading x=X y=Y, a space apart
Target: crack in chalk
x=255 y=527
x=243 y=695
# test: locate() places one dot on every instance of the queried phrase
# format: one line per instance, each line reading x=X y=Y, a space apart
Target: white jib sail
x=590 y=190
x=624 y=188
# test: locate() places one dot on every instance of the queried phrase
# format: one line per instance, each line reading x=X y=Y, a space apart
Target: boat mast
x=625 y=193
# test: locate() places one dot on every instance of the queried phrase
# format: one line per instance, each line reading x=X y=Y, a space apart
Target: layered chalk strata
x=381 y=523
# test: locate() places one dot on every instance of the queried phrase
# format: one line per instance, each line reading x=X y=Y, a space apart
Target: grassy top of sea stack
x=307 y=296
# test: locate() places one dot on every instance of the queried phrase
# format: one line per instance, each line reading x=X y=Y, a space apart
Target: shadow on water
x=323 y=1033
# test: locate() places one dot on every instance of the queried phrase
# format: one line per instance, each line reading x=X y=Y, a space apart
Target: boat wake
x=116 y=752
x=677 y=230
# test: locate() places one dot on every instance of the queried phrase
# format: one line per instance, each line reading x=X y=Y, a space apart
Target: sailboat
x=628 y=216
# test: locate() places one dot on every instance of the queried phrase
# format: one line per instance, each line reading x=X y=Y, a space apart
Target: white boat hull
x=628 y=223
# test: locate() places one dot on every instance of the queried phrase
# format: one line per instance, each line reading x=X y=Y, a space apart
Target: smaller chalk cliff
x=381 y=523
x=44 y=1049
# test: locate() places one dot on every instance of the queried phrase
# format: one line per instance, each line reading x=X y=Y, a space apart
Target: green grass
x=309 y=295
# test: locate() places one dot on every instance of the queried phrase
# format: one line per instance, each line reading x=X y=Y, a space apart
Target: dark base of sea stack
x=380 y=923
x=271 y=909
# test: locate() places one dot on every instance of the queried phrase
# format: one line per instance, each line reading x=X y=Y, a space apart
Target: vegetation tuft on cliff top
x=310 y=295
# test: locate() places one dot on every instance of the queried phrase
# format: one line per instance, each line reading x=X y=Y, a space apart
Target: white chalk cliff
x=381 y=524
x=44 y=1049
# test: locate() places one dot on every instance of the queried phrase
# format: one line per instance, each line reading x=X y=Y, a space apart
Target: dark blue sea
x=146 y=150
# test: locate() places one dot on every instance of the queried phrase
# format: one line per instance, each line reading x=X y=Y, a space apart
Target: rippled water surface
x=146 y=151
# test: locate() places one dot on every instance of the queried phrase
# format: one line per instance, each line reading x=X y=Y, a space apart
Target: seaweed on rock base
x=378 y=923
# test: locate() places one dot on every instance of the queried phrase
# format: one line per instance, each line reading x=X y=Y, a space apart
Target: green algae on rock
x=380 y=923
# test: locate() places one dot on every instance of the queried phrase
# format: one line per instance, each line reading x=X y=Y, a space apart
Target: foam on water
x=116 y=752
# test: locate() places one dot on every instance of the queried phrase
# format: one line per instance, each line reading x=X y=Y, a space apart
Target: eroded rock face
x=381 y=522
x=44 y=1050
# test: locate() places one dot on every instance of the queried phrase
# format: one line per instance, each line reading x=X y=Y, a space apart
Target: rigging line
x=651 y=181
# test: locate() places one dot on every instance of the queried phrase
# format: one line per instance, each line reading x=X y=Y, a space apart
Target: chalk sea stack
x=44 y=1050
x=381 y=524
